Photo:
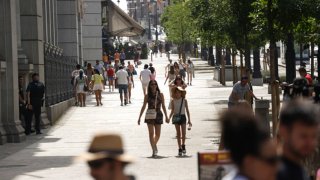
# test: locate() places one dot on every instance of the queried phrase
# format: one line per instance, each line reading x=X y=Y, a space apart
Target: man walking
x=145 y=76
x=299 y=132
x=123 y=80
x=35 y=98
x=239 y=91
x=122 y=56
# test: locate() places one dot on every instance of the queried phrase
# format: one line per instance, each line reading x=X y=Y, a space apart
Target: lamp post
x=149 y=16
x=156 y=21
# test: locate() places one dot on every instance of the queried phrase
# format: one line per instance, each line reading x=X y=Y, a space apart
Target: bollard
x=262 y=110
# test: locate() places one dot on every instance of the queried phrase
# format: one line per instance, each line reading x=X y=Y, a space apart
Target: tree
x=178 y=25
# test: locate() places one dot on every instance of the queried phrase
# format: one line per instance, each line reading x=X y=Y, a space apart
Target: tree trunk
x=228 y=56
x=234 y=66
x=301 y=54
x=318 y=61
x=312 y=60
x=218 y=55
x=276 y=63
x=256 y=64
x=241 y=64
x=247 y=59
x=223 y=70
x=290 y=59
x=211 y=57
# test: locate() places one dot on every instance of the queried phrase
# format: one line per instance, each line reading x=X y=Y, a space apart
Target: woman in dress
x=97 y=81
x=81 y=85
x=179 y=107
x=130 y=84
x=155 y=100
x=190 y=72
x=171 y=76
x=176 y=68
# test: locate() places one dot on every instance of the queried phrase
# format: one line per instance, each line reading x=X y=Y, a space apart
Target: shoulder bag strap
x=155 y=102
x=181 y=106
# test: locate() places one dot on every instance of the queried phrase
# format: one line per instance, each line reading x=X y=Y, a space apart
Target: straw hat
x=106 y=146
x=183 y=91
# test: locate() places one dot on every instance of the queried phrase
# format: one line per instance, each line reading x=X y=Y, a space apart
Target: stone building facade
x=48 y=37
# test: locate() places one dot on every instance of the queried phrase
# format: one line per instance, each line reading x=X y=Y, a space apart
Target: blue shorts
x=123 y=88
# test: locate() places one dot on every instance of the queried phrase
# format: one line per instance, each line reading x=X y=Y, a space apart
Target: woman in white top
x=81 y=85
x=190 y=71
x=179 y=106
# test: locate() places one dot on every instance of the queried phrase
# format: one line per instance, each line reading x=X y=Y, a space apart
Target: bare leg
x=100 y=97
x=84 y=96
x=151 y=136
x=157 y=134
x=183 y=130
x=79 y=99
x=96 y=92
x=178 y=135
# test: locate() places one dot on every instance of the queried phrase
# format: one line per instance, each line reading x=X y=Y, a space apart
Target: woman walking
x=178 y=82
x=81 y=85
x=97 y=81
x=179 y=106
x=153 y=72
x=176 y=68
x=111 y=74
x=171 y=76
x=89 y=72
x=154 y=115
x=182 y=69
x=130 y=84
x=190 y=72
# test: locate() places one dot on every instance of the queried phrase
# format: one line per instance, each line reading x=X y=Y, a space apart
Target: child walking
x=179 y=106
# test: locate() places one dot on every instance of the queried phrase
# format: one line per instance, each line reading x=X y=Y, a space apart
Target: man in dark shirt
x=35 y=95
x=299 y=126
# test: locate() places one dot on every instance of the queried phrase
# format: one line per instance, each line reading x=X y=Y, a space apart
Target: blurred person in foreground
x=250 y=146
x=106 y=158
x=298 y=133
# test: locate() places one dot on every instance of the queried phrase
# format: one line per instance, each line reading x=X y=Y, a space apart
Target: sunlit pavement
x=50 y=156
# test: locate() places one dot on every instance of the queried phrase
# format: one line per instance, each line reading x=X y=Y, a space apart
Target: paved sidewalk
x=50 y=156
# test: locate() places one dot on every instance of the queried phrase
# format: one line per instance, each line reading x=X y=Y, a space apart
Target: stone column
x=68 y=28
x=9 y=80
x=32 y=38
x=92 y=28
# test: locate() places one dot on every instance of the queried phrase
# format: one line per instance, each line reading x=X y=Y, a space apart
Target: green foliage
x=177 y=23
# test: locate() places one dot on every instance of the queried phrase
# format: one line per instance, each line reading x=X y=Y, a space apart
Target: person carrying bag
x=179 y=106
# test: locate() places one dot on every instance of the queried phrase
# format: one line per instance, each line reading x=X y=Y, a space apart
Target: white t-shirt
x=145 y=76
x=122 y=77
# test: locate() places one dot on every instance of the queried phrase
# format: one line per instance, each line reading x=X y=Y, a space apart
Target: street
x=51 y=155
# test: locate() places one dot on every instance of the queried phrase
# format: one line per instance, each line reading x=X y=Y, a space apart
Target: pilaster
x=9 y=81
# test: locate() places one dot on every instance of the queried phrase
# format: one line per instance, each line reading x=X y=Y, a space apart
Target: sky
x=122 y=4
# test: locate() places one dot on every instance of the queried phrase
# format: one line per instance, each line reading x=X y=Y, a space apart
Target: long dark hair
x=150 y=95
x=96 y=71
x=81 y=74
x=171 y=71
x=178 y=77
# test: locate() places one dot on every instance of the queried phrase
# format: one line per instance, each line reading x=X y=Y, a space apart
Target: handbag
x=177 y=119
x=152 y=113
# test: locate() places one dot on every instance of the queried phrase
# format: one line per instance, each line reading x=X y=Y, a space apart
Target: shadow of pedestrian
x=158 y=157
x=186 y=156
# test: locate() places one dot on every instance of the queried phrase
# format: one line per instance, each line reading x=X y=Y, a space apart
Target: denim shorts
x=123 y=88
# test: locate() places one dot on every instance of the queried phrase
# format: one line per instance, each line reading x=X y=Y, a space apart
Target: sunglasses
x=153 y=84
x=273 y=160
x=96 y=164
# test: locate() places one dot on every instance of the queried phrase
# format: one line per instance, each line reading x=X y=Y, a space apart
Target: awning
x=121 y=24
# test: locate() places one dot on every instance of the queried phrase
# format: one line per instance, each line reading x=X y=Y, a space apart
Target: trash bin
x=262 y=110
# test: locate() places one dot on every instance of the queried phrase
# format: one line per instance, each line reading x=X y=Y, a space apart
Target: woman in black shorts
x=179 y=107
x=155 y=100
